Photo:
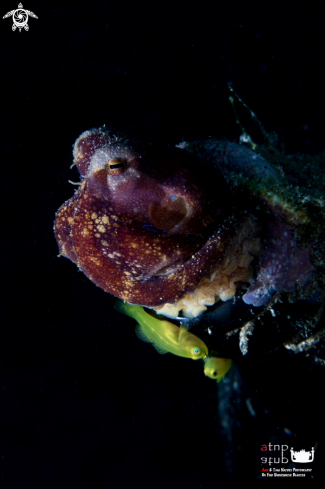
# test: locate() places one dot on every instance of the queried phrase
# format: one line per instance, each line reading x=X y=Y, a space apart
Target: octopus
x=181 y=229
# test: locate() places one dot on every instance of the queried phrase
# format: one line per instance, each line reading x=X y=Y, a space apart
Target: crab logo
x=302 y=456
x=20 y=18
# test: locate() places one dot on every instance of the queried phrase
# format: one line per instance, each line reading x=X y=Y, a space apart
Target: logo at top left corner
x=20 y=18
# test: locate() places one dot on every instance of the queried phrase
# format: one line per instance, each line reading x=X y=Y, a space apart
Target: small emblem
x=20 y=18
x=302 y=457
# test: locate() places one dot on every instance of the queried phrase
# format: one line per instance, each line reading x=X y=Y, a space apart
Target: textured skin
x=148 y=222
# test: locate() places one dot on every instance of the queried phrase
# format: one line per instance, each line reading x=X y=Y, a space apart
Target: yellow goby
x=166 y=337
x=216 y=368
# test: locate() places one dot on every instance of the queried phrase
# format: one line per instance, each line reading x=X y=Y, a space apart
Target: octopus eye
x=116 y=166
x=215 y=373
x=196 y=351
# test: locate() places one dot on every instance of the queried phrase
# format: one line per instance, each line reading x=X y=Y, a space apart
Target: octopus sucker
x=166 y=228
x=221 y=283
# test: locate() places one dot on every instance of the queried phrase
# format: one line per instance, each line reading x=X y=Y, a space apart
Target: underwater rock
x=286 y=196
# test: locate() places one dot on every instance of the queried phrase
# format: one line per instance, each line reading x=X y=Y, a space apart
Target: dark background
x=84 y=403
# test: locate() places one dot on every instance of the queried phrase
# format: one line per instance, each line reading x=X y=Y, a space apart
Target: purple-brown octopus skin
x=158 y=226
x=144 y=224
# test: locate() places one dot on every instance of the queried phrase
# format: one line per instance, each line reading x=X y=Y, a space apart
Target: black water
x=84 y=403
